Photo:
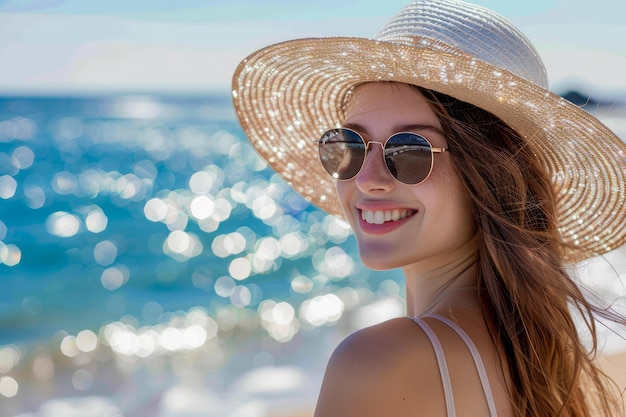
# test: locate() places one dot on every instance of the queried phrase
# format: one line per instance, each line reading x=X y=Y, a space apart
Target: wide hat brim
x=288 y=94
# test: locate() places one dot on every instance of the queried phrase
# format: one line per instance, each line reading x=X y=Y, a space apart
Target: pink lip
x=379 y=205
x=380 y=229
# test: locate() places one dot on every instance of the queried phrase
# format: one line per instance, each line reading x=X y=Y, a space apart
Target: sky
x=115 y=46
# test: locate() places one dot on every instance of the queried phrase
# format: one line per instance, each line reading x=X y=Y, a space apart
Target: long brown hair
x=531 y=295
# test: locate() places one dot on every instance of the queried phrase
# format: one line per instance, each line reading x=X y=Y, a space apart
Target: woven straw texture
x=288 y=94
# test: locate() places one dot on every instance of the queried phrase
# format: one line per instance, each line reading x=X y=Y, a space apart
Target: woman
x=452 y=161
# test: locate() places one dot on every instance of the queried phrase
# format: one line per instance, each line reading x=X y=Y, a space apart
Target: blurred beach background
x=150 y=263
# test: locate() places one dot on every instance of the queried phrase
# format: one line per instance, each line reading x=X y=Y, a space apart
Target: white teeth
x=382 y=216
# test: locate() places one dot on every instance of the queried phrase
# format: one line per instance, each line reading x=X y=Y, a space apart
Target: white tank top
x=443 y=367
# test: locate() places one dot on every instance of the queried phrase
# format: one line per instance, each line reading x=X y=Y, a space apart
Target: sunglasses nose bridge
x=369 y=148
x=367 y=145
x=373 y=166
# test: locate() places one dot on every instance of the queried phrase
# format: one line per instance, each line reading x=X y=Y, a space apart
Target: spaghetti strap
x=441 y=362
x=480 y=367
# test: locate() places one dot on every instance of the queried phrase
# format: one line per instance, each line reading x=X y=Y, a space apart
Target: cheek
x=462 y=213
x=452 y=202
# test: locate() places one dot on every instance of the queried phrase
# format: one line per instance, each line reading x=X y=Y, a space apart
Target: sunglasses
x=408 y=156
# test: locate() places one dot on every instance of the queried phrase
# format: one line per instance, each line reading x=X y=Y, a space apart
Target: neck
x=430 y=281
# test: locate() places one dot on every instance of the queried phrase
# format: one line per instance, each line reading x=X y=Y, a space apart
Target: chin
x=378 y=267
x=377 y=260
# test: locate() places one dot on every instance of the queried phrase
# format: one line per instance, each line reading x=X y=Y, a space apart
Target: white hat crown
x=455 y=26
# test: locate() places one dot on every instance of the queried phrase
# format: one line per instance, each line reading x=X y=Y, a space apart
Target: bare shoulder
x=387 y=369
x=383 y=344
x=392 y=369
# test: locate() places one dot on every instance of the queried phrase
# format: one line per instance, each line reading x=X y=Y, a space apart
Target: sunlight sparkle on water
x=240 y=268
x=43 y=367
x=264 y=207
x=64 y=183
x=201 y=207
x=179 y=335
x=211 y=178
x=35 y=196
x=86 y=341
x=23 y=157
x=62 y=224
x=157 y=210
x=114 y=277
x=131 y=188
x=96 y=221
x=8 y=386
x=301 y=284
x=293 y=244
x=279 y=319
x=9 y=358
x=10 y=254
x=17 y=128
x=322 y=310
x=225 y=286
x=8 y=187
x=105 y=252
x=137 y=107
x=82 y=379
x=182 y=245
x=338 y=230
x=229 y=244
x=334 y=262
x=68 y=346
x=242 y=296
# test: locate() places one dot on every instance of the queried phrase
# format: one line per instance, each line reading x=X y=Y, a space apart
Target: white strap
x=443 y=367
x=480 y=367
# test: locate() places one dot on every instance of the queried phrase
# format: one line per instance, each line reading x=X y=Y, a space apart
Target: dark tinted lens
x=408 y=157
x=342 y=152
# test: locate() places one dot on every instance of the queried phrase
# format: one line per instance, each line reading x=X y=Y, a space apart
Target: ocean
x=152 y=265
x=144 y=245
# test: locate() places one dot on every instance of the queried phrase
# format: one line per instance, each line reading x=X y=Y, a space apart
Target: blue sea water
x=88 y=157
x=129 y=215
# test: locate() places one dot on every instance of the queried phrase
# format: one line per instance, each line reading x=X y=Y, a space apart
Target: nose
x=374 y=176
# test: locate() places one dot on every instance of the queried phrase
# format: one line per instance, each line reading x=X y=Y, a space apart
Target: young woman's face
x=429 y=220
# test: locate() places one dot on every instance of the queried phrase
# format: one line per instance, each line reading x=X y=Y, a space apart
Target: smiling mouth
x=383 y=216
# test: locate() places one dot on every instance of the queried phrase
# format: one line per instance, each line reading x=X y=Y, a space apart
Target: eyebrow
x=412 y=127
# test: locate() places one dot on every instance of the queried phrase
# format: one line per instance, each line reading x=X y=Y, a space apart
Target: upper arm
x=389 y=369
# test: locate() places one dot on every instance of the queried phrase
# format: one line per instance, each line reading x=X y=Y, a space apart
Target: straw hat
x=288 y=94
